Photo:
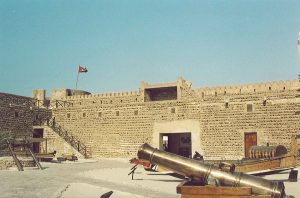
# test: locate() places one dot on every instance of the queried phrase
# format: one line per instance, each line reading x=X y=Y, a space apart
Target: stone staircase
x=65 y=135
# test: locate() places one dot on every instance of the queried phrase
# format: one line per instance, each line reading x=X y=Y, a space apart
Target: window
x=84 y=115
x=216 y=93
x=225 y=92
x=270 y=88
x=136 y=112
x=226 y=104
x=117 y=113
x=202 y=94
x=37 y=116
x=99 y=114
x=68 y=115
x=249 y=108
x=16 y=114
x=160 y=93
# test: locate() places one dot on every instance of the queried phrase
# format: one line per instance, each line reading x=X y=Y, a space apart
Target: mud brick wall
x=116 y=124
x=8 y=162
x=115 y=130
x=224 y=127
x=16 y=117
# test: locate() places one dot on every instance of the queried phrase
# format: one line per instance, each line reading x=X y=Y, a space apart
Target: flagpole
x=77 y=79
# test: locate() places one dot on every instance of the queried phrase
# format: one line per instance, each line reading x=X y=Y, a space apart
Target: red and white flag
x=82 y=69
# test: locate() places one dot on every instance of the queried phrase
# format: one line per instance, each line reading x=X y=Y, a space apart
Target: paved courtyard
x=88 y=178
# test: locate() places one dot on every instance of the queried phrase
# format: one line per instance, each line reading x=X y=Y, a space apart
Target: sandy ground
x=91 y=179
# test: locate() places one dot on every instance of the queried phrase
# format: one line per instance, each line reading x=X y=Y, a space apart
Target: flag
x=82 y=69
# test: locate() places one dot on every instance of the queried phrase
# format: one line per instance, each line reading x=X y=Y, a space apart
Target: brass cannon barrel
x=200 y=172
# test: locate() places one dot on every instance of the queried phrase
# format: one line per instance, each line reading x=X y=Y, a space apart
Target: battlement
x=176 y=89
x=156 y=90
x=105 y=95
x=249 y=88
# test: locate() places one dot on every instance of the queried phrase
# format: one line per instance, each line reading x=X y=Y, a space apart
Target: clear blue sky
x=124 y=42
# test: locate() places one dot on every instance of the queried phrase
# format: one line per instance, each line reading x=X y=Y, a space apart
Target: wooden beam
x=224 y=196
x=214 y=190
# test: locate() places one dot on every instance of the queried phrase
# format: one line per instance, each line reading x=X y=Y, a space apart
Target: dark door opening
x=250 y=140
x=37 y=133
x=177 y=143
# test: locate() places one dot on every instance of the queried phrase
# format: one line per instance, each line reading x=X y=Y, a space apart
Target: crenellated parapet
x=62 y=94
x=112 y=98
x=105 y=95
x=249 y=88
x=178 y=90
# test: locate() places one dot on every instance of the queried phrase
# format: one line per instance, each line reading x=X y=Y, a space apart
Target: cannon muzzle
x=201 y=173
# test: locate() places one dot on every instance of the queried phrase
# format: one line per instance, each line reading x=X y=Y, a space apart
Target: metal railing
x=51 y=104
x=14 y=100
x=68 y=137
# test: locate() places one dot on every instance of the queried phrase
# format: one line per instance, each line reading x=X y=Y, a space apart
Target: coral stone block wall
x=116 y=124
x=18 y=114
x=16 y=117
x=224 y=126
x=56 y=143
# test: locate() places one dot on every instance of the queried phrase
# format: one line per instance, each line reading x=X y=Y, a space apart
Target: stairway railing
x=68 y=137
x=14 y=100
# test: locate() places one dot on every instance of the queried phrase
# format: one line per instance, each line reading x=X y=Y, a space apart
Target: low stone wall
x=8 y=162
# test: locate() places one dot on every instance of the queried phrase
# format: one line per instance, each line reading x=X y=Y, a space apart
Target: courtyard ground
x=91 y=179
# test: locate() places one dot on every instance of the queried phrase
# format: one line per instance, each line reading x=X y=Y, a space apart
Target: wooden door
x=37 y=133
x=250 y=140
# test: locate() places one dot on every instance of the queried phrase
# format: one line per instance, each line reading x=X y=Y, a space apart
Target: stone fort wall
x=116 y=124
x=16 y=117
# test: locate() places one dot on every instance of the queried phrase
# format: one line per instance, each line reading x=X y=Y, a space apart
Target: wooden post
x=19 y=165
x=46 y=145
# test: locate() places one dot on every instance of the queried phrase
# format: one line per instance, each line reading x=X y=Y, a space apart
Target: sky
x=124 y=42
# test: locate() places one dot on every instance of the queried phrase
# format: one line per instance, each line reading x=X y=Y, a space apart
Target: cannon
x=201 y=173
x=267 y=151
